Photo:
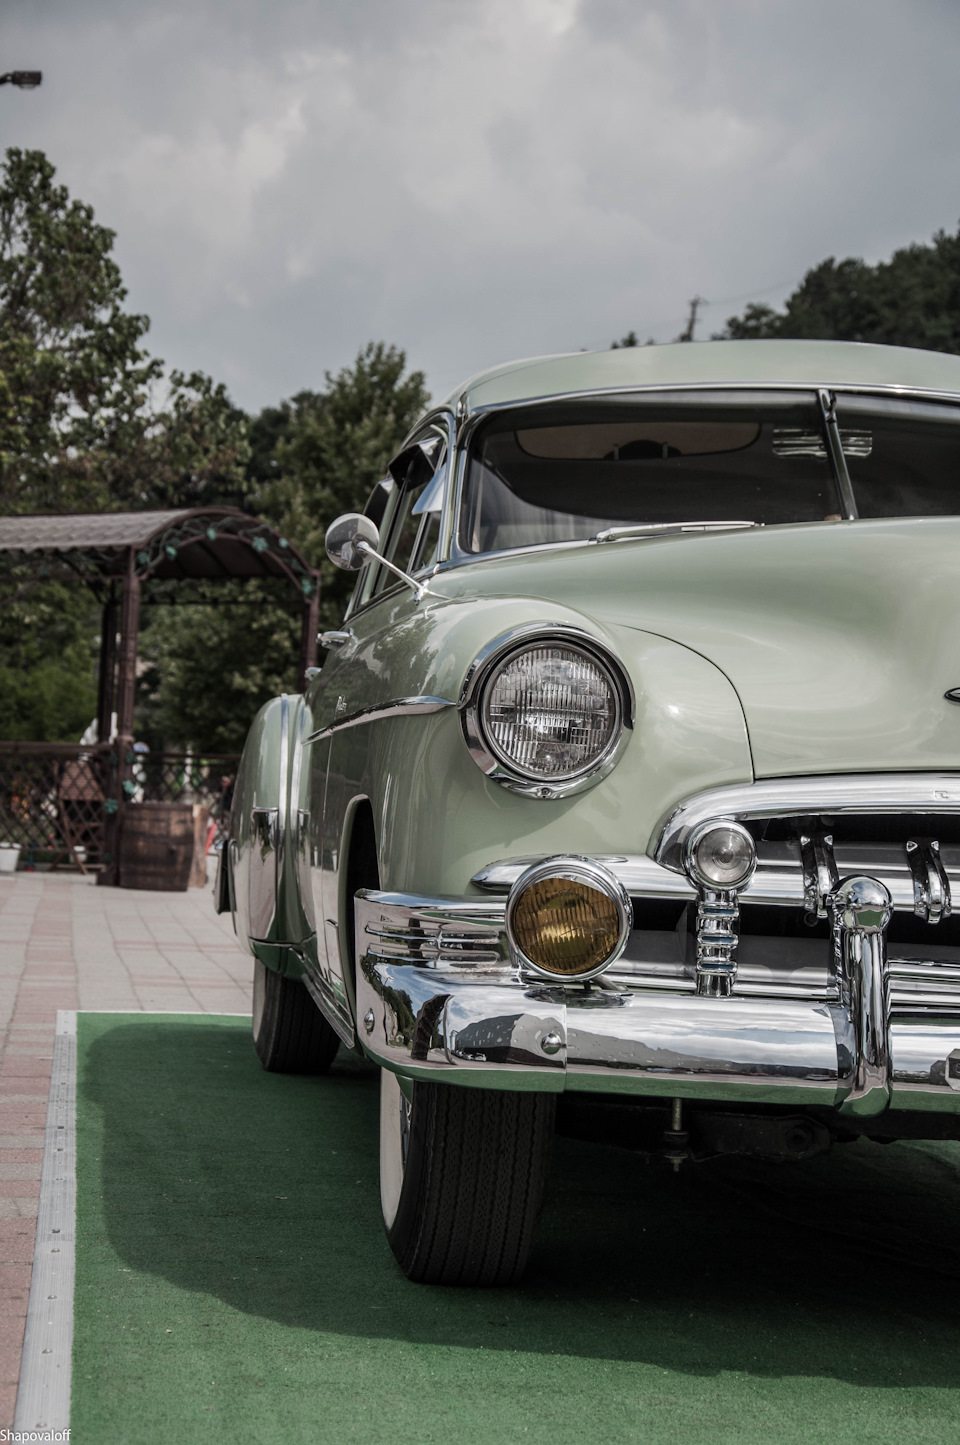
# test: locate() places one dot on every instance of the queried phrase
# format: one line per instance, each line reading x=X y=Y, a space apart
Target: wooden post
x=308 y=631
x=106 y=688
x=126 y=688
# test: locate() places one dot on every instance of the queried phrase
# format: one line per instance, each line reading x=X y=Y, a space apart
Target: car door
x=407 y=507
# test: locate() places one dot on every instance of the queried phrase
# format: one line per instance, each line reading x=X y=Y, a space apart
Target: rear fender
x=267 y=850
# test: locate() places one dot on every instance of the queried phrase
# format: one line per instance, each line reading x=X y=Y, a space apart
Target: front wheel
x=462 y=1174
x=290 y=1034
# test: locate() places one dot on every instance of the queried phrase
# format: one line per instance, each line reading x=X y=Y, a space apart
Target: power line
x=670 y=323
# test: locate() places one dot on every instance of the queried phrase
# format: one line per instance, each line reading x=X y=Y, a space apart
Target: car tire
x=462 y=1175
x=290 y=1034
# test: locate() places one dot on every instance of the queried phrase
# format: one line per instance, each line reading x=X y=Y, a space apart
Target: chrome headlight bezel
x=491 y=761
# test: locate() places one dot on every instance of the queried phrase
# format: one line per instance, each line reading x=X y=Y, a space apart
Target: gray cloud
x=481 y=180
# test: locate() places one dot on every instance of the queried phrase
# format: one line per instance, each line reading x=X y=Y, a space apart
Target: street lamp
x=26 y=79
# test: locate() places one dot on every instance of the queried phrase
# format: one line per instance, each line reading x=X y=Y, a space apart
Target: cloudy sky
x=475 y=180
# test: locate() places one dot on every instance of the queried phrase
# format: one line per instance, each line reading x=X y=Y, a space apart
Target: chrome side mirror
x=343 y=541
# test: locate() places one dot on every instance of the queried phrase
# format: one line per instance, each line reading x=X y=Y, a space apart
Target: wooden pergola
x=117 y=554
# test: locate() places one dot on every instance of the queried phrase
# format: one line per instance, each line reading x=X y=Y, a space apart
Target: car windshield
x=904 y=460
x=566 y=472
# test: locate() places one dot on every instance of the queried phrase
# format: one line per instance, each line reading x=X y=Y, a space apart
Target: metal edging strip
x=43 y=1396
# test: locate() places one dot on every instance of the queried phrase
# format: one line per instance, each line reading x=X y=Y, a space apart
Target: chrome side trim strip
x=639 y=874
x=804 y=796
x=282 y=792
x=399 y=707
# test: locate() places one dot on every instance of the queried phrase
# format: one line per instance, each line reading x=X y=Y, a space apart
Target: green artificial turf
x=234 y=1284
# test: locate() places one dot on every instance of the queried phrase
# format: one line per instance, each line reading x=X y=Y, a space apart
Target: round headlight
x=568 y=918
x=721 y=855
x=550 y=711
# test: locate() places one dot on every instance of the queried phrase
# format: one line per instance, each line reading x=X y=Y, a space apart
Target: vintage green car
x=627 y=800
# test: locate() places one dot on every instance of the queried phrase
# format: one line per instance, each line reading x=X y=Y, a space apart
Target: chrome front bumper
x=438 y=998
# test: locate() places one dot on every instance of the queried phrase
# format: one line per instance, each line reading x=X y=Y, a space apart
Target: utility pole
x=687 y=333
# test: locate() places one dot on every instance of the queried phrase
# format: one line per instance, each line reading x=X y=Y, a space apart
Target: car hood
x=839 y=638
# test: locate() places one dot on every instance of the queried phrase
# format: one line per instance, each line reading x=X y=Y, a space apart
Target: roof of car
x=711 y=363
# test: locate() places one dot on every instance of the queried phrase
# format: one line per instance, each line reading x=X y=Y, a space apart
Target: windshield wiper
x=660 y=529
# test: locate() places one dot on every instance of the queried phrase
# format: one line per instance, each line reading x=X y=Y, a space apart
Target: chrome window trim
x=398 y=707
x=514 y=778
x=804 y=796
x=470 y=420
x=878 y=388
x=444 y=420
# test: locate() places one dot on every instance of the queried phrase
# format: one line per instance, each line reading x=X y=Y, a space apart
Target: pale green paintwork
x=812 y=648
x=712 y=363
x=445 y=819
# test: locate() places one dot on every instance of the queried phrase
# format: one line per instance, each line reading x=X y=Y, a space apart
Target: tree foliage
x=73 y=375
x=331 y=449
x=87 y=421
x=255 y=642
x=48 y=650
x=911 y=300
x=311 y=458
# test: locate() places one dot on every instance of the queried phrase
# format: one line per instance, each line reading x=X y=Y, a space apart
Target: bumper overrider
x=843 y=1018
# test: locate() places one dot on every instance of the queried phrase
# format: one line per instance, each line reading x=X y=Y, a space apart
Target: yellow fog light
x=568 y=918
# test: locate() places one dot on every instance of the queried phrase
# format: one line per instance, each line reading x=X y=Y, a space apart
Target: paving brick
x=10 y=1363
x=18 y=1169
x=16 y=1207
x=14 y=1279
x=68 y=944
x=20 y=1188
x=11 y=1334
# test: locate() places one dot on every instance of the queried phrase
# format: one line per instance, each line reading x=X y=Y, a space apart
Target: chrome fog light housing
x=720 y=855
x=568 y=919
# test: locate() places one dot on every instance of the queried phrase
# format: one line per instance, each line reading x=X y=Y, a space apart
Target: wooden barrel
x=156 y=846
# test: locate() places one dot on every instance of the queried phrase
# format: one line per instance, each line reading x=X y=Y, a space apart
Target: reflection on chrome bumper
x=437 y=998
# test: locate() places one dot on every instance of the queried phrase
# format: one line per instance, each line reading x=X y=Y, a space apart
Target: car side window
x=414 y=529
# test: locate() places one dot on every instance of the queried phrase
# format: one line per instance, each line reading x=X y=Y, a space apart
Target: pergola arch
x=121 y=551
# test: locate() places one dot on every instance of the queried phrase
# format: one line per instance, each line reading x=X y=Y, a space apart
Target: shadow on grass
x=261 y=1190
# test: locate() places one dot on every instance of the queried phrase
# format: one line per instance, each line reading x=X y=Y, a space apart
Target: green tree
x=911 y=300
x=333 y=447
x=74 y=378
x=311 y=458
x=192 y=452
x=48 y=649
x=87 y=422
x=255 y=640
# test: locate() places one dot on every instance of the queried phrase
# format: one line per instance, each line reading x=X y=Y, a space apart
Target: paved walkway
x=65 y=943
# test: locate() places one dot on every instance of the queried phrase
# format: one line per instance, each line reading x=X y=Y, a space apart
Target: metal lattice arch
x=116 y=553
